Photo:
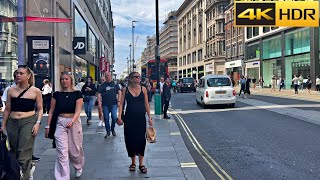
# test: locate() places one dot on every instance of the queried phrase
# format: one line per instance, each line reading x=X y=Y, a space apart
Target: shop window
x=297 y=42
x=253 y=51
x=266 y=29
x=255 y=31
x=272 y=48
x=296 y=65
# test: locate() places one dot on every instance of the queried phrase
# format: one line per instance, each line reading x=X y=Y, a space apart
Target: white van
x=215 y=89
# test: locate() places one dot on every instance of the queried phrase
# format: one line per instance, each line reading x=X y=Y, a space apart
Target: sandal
x=143 y=169
x=132 y=167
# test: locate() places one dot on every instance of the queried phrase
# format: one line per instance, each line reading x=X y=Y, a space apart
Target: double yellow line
x=207 y=158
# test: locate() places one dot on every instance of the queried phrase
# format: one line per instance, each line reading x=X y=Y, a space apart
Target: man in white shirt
x=161 y=85
x=5 y=92
x=80 y=84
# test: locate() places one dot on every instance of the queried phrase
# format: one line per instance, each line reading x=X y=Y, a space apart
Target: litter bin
x=157 y=104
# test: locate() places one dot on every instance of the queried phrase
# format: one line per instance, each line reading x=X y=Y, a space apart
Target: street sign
x=79 y=45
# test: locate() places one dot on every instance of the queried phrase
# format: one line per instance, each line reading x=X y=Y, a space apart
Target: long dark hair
x=89 y=77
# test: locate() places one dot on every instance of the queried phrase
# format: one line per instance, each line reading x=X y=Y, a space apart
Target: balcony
x=220 y=16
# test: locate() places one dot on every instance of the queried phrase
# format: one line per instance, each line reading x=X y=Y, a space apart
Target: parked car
x=186 y=84
x=215 y=89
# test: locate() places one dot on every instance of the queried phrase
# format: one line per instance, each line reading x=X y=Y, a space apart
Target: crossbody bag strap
x=24 y=91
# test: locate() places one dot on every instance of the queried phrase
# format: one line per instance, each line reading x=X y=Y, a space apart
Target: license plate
x=220 y=92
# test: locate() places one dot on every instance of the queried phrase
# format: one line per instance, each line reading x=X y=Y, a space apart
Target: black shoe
x=35 y=159
x=107 y=135
x=114 y=133
x=166 y=117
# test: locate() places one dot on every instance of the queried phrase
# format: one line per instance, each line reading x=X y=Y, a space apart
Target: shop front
x=296 y=65
x=253 y=69
x=234 y=69
x=271 y=68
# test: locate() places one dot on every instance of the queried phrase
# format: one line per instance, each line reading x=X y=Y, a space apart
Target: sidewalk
x=285 y=93
x=168 y=158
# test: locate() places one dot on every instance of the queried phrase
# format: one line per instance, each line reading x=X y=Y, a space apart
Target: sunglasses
x=135 y=77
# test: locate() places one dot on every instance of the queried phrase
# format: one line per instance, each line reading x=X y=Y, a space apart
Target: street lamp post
x=133 y=46
x=157 y=54
x=130 y=61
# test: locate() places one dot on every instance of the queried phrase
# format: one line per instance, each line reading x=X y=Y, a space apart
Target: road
x=248 y=142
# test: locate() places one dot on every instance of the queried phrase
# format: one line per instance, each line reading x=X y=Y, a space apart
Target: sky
x=143 y=11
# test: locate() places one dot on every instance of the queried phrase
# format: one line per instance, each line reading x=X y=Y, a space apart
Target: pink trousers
x=69 y=147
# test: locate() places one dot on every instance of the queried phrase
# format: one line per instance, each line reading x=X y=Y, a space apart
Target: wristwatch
x=39 y=122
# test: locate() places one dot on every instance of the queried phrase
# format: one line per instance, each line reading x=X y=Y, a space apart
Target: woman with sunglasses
x=136 y=98
x=66 y=127
x=89 y=97
x=20 y=119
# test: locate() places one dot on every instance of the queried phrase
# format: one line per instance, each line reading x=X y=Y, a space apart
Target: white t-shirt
x=295 y=81
x=46 y=89
x=5 y=94
x=318 y=81
x=161 y=86
x=80 y=85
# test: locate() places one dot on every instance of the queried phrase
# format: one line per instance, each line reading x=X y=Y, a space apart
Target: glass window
x=296 y=65
x=297 y=42
x=266 y=29
x=249 y=32
x=216 y=82
x=80 y=25
x=92 y=43
x=255 y=31
x=188 y=80
x=271 y=68
x=271 y=48
x=253 y=51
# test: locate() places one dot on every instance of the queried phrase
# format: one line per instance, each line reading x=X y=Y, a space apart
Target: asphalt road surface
x=248 y=143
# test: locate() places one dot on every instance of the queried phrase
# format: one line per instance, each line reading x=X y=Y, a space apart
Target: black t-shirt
x=89 y=93
x=66 y=101
x=108 y=91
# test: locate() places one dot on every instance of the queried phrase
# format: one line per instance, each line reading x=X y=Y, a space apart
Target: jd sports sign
x=79 y=45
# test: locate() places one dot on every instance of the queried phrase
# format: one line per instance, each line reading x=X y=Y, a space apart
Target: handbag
x=151 y=134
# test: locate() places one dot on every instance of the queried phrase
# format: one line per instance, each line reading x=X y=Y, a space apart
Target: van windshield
x=187 y=80
x=216 y=82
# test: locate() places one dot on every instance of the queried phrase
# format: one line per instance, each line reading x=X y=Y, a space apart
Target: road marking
x=175 y=134
x=186 y=165
x=209 y=160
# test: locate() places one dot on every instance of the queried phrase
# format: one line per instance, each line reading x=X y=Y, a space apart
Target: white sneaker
x=33 y=168
x=100 y=123
x=103 y=124
x=78 y=173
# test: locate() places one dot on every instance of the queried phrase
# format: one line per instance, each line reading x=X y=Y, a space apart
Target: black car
x=186 y=84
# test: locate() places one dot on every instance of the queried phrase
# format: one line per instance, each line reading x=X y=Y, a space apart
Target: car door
x=198 y=90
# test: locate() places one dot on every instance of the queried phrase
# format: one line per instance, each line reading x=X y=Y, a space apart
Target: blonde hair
x=72 y=80
x=31 y=73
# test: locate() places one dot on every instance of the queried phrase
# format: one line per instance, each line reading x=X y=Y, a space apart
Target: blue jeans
x=88 y=106
x=106 y=111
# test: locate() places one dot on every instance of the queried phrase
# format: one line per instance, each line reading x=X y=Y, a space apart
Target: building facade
x=215 y=36
x=282 y=52
x=234 y=37
x=50 y=46
x=169 y=43
x=191 y=38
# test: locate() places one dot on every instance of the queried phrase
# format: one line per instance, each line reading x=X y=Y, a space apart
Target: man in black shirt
x=108 y=102
x=166 y=93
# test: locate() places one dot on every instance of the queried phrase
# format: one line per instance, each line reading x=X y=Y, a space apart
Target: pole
x=132 y=46
x=21 y=32
x=157 y=46
x=130 y=60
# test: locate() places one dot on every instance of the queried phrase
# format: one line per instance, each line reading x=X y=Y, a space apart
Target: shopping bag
x=151 y=134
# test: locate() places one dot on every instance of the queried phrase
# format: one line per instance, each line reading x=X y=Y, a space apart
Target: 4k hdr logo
x=280 y=13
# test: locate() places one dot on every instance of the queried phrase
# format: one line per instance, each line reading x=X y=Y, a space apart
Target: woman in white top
x=46 y=95
x=318 y=84
x=295 y=81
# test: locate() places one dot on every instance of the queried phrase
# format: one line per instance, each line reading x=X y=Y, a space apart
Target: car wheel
x=232 y=105
x=203 y=104
x=197 y=101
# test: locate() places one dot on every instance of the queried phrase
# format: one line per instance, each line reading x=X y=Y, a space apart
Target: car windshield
x=187 y=80
x=216 y=82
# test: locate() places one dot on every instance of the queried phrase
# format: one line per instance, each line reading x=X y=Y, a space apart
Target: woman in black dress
x=136 y=99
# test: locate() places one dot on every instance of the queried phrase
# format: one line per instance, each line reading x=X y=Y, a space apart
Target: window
x=80 y=25
x=249 y=32
x=221 y=47
x=272 y=48
x=184 y=60
x=189 y=59
x=216 y=82
x=253 y=51
x=297 y=42
x=255 y=31
x=92 y=43
x=266 y=29
x=240 y=49
x=200 y=55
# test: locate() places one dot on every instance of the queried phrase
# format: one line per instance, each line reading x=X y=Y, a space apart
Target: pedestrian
x=80 y=84
x=46 y=95
x=5 y=92
x=254 y=80
x=149 y=90
x=247 y=87
x=295 y=81
x=273 y=83
x=174 y=86
x=20 y=119
x=161 y=92
x=242 y=85
x=309 y=84
x=261 y=82
x=281 y=83
x=301 y=83
x=89 y=97
x=108 y=102
x=134 y=120
x=101 y=119
x=318 y=84
x=66 y=127
x=166 y=97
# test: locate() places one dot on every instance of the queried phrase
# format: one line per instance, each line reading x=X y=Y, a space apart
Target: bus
x=150 y=70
